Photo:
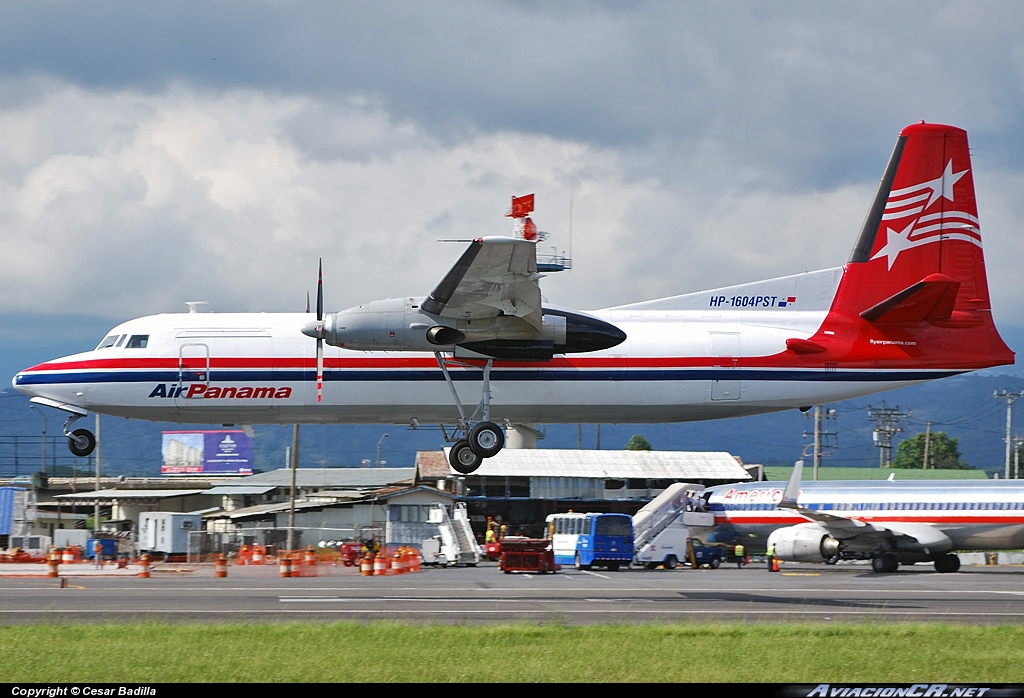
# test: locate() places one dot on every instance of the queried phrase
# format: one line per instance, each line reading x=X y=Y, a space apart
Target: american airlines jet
x=910 y=305
x=889 y=522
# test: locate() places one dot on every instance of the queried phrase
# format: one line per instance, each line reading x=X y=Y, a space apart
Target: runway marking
x=385 y=599
x=659 y=612
x=432 y=593
x=801 y=574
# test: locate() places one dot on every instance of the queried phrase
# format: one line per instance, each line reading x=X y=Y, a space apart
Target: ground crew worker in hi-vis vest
x=771 y=558
x=739 y=553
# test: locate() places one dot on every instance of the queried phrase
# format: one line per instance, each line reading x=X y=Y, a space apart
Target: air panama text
x=201 y=390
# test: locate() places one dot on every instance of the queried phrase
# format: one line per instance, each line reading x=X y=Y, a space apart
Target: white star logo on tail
x=895 y=243
x=913 y=201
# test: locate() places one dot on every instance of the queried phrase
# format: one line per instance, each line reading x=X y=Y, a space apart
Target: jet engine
x=808 y=542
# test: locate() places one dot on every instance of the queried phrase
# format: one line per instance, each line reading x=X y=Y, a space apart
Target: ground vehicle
x=667 y=548
x=585 y=540
x=704 y=554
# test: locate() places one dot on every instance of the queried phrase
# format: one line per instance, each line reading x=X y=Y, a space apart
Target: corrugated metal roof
x=128 y=494
x=323 y=501
x=332 y=477
x=233 y=490
x=675 y=465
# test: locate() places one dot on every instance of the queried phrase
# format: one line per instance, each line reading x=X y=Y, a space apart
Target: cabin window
x=137 y=341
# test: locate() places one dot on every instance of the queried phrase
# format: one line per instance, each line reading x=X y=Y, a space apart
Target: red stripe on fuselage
x=785 y=360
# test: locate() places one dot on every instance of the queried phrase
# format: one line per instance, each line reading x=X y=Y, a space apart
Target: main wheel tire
x=947 y=563
x=652 y=565
x=81 y=442
x=886 y=563
x=715 y=563
x=463 y=458
x=486 y=439
x=580 y=565
x=671 y=562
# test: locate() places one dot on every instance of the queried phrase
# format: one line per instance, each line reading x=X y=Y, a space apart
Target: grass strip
x=380 y=651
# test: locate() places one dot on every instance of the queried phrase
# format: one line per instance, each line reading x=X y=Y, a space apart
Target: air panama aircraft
x=911 y=305
x=888 y=522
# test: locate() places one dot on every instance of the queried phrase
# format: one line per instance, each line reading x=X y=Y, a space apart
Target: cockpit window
x=108 y=341
x=138 y=341
x=120 y=340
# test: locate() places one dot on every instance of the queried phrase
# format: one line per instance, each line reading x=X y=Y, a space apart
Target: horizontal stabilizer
x=931 y=298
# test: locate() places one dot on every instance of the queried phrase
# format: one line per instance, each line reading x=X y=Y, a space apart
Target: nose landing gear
x=81 y=442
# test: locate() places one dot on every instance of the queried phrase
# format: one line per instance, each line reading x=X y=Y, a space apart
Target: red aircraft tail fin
x=917 y=272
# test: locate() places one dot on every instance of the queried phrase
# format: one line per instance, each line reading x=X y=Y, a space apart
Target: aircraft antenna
x=192 y=306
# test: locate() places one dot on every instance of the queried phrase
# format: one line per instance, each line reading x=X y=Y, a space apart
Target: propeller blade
x=319 y=370
x=320 y=292
x=307 y=301
x=320 y=337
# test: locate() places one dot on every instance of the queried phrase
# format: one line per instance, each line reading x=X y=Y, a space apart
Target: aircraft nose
x=18 y=383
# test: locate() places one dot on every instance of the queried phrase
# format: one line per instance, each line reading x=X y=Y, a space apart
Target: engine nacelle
x=398 y=324
x=804 y=543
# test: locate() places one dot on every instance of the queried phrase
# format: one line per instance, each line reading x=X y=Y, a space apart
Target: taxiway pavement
x=483 y=594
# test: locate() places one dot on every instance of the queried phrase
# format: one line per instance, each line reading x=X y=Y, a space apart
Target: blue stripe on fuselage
x=530 y=374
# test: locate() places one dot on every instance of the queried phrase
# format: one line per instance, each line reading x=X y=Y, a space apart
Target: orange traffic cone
x=144 y=566
x=310 y=562
x=52 y=560
x=286 y=566
x=220 y=567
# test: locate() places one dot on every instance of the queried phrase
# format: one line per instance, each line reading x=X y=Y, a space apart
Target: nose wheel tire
x=81 y=442
x=463 y=458
x=486 y=439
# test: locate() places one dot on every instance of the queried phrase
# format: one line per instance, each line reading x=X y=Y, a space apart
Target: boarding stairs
x=661 y=511
x=458 y=544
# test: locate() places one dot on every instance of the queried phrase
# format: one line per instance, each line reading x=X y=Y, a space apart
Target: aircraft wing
x=494 y=276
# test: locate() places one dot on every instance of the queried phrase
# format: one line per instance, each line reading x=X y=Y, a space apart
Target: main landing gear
x=474 y=440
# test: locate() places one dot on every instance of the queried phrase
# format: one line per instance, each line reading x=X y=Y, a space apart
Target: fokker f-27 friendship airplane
x=912 y=304
x=889 y=522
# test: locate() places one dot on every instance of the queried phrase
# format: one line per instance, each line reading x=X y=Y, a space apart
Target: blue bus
x=586 y=540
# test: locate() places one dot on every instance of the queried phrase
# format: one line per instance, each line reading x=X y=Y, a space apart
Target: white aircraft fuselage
x=911 y=305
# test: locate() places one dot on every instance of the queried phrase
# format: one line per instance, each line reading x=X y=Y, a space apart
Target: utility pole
x=927 y=445
x=1017 y=443
x=887 y=425
x=822 y=441
x=379 y=442
x=1010 y=398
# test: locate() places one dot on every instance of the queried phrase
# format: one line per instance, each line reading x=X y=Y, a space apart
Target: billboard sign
x=214 y=452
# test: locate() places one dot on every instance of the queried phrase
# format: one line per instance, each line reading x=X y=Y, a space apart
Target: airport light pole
x=379 y=442
x=291 y=505
x=42 y=467
x=96 y=508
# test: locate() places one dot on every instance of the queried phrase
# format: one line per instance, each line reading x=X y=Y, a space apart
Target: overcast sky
x=154 y=153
